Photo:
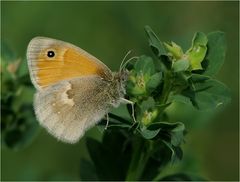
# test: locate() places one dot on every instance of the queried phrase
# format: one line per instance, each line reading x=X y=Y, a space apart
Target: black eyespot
x=50 y=54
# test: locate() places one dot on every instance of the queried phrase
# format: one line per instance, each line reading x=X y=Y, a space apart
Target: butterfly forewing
x=51 y=61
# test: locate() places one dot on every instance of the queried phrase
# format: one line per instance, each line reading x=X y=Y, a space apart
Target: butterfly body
x=74 y=89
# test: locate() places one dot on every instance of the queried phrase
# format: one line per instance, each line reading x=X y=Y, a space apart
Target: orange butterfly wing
x=51 y=61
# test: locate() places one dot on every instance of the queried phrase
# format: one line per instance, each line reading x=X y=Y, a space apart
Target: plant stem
x=139 y=159
x=166 y=88
x=141 y=151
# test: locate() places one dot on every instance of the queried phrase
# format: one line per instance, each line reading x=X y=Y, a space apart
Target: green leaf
x=173 y=133
x=199 y=39
x=198 y=51
x=149 y=134
x=177 y=134
x=154 y=81
x=207 y=93
x=180 y=65
x=143 y=70
x=216 y=52
x=159 y=50
x=180 y=98
x=147 y=104
x=162 y=107
x=166 y=126
x=163 y=153
x=110 y=156
x=148 y=112
x=145 y=64
x=155 y=44
x=114 y=122
x=176 y=152
x=197 y=78
x=216 y=95
x=174 y=49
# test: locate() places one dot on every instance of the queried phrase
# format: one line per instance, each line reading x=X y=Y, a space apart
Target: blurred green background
x=108 y=30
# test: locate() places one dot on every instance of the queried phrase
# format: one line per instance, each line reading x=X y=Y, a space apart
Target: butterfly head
x=119 y=81
x=121 y=76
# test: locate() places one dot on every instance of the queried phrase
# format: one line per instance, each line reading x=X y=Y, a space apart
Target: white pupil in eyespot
x=50 y=54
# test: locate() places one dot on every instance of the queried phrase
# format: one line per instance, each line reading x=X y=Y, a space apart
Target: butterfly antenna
x=132 y=58
x=124 y=59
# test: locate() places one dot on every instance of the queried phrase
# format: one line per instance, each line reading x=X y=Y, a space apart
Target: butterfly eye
x=50 y=54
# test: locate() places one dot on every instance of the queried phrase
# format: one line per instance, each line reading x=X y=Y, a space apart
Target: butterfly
x=75 y=90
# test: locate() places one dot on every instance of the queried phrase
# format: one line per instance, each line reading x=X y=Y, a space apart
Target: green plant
x=141 y=150
x=131 y=151
x=18 y=124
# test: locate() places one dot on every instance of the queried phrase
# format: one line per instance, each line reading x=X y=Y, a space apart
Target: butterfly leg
x=125 y=101
x=107 y=121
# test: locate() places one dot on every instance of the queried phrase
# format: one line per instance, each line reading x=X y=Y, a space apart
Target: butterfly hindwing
x=69 y=108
